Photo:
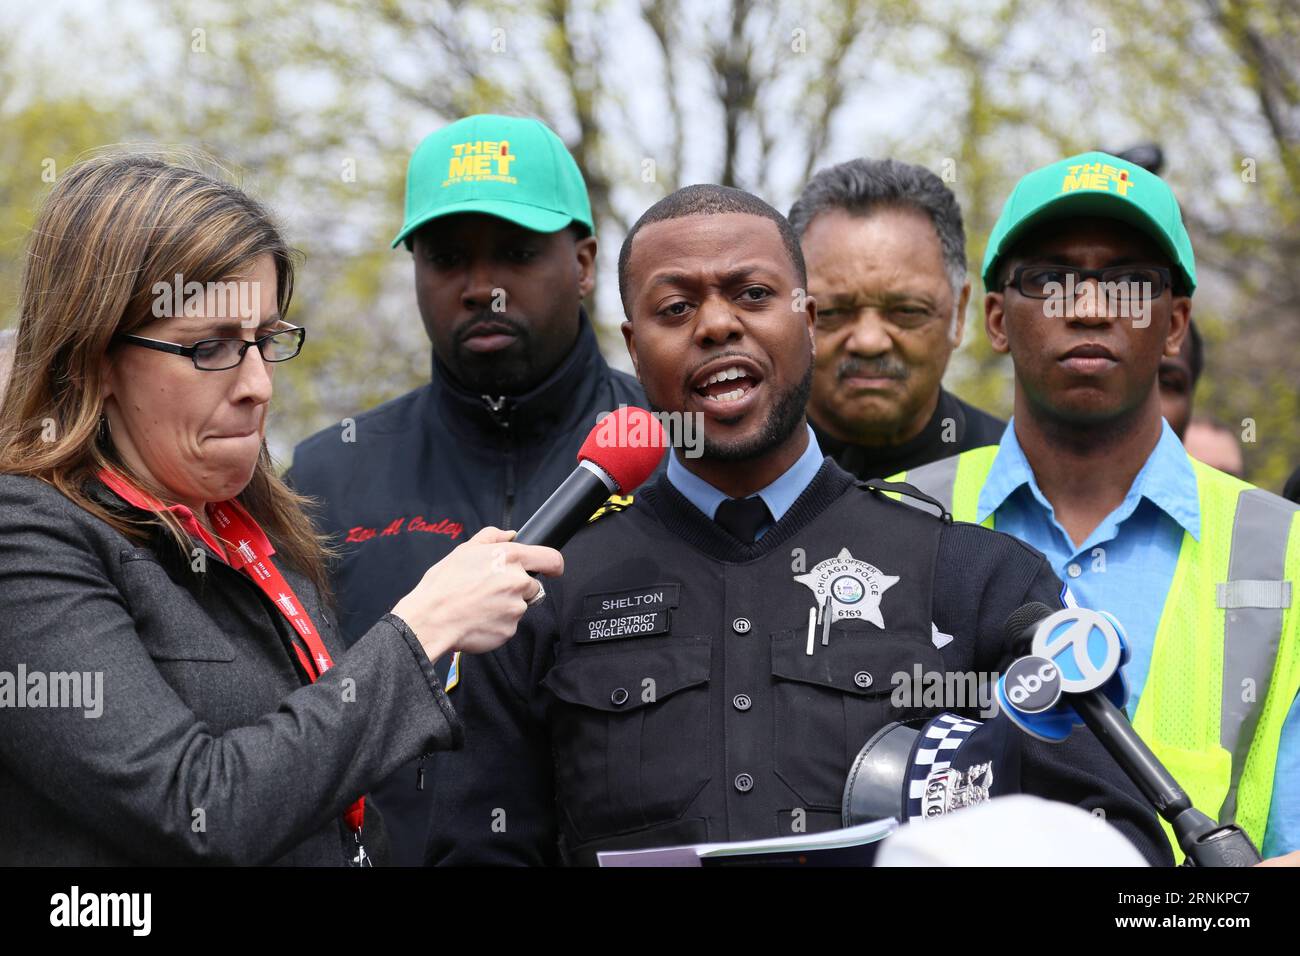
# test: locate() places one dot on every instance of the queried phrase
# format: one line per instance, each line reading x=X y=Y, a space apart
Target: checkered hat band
x=935 y=749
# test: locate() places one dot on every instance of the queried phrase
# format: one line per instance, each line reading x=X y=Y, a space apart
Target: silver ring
x=541 y=593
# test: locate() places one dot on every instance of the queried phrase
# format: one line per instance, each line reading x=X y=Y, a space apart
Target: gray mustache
x=871 y=368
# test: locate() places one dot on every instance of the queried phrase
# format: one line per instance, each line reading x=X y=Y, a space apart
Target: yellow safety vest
x=1225 y=667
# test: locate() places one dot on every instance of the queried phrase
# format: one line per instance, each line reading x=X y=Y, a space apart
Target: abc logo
x=1032 y=684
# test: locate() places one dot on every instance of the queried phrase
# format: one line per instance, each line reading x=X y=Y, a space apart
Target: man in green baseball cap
x=500 y=233
x=1089 y=276
x=498 y=198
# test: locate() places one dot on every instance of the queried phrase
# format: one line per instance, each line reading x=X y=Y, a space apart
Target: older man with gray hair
x=886 y=256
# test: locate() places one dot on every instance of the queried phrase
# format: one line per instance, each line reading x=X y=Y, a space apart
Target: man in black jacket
x=499 y=224
x=714 y=656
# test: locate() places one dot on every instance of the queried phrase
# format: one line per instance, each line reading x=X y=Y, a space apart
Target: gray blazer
x=211 y=746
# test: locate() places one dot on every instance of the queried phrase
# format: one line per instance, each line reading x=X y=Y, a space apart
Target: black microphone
x=1022 y=624
x=620 y=453
x=1203 y=840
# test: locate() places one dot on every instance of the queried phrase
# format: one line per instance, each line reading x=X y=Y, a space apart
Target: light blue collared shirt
x=1125 y=567
x=778 y=496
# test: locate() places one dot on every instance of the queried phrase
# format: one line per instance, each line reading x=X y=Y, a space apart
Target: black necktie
x=742 y=517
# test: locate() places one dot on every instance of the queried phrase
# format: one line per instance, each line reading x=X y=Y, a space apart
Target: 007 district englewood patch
x=636 y=612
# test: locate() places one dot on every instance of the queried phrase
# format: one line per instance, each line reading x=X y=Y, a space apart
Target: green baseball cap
x=505 y=166
x=1094 y=184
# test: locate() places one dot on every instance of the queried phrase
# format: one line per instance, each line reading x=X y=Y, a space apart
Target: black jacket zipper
x=501 y=415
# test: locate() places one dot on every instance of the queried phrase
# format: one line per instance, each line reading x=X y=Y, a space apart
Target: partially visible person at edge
x=1178 y=377
x=886 y=255
x=1198 y=566
x=1291 y=490
x=499 y=227
x=7 y=337
x=1215 y=444
x=188 y=698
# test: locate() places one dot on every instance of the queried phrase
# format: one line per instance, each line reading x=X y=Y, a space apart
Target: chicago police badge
x=852 y=588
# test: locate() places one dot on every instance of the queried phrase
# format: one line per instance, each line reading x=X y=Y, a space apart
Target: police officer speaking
x=718 y=652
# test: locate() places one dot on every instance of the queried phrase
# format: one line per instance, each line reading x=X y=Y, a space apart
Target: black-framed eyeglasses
x=215 y=355
x=1054 y=282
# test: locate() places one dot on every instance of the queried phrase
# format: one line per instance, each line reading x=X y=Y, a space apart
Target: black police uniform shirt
x=955 y=427
x=662 y=693
x=406 y=482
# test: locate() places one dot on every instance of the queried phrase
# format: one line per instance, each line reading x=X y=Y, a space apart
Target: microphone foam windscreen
x=627 y=445
x=1026 y=616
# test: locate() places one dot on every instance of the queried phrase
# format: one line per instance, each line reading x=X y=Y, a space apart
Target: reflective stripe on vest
x=1227 y=609
x=955 y=482
x=1255 y=598
x=936 y=479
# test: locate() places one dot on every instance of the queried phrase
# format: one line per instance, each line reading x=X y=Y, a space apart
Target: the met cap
x=1094 y=184
x=505 y=166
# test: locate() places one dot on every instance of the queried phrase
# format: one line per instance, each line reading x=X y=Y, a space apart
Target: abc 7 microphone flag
x=1074 y=650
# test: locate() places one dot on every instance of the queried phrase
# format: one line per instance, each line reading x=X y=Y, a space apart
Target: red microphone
x=622 y=451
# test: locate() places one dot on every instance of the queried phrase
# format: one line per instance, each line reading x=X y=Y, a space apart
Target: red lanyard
x=248 y=550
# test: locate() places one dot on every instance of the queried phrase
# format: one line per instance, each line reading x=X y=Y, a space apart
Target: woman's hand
x=473 y=598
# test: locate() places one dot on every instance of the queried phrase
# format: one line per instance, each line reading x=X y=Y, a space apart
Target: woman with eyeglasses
x=173 y=689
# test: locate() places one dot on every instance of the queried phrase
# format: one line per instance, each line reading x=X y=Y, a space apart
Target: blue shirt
x=778 y=496
x=1125 y=567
